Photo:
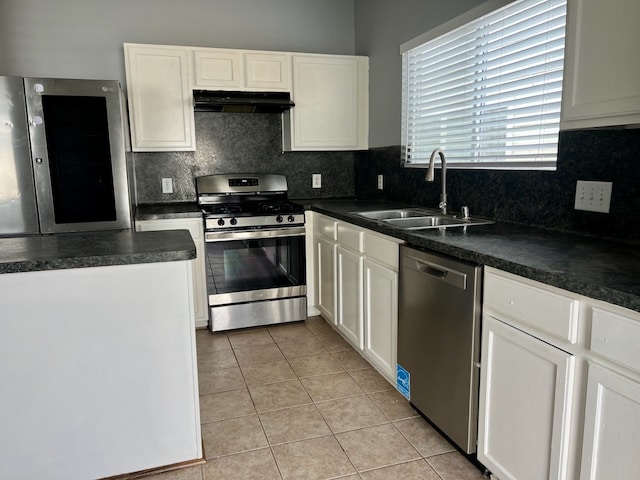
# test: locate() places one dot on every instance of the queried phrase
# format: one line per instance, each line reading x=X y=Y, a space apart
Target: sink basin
x=420 y=218
x=397 y=213
x=423 y=222
x=435 y=221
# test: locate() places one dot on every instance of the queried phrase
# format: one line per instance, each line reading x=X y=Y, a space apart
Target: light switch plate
x=593 y=196
x=167 y=185
x=316 y=180
x=380 y=182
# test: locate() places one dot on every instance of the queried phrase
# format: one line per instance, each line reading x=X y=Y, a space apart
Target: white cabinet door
x=326 y=252
x=267 y=71
x=194 y=225
x=225 y=69
x=218 y=68
x=526 y=393
x=612 y=427
x=331 y=97
x=349 y=304
x=380 y=300
x=160 y=98
x=602 y=67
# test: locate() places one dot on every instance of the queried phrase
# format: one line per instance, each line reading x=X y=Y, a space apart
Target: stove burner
x=223 y=208
x=229 y=203
x=277 y=207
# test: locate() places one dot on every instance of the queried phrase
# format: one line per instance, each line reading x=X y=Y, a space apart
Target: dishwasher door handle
x=429 y=270
x=452 y=277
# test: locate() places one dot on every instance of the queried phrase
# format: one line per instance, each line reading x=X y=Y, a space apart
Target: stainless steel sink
x=418 y=218
x=396 y=213
x=422 y=222
x=435 y=221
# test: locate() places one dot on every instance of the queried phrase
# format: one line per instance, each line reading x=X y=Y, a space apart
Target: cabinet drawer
x=382 y=250
x=326 y=227
x=350 y=237
x=532 y=304
x=616 y=337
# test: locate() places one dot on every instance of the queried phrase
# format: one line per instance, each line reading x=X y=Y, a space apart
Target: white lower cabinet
x=349 y=289
x=525 y=404
x=357 y=282
x=194 y=225
x=559 y=384
x=612 y=411
x=326 y=278
x=612 y=426
x=529 y=376
x=380 y=299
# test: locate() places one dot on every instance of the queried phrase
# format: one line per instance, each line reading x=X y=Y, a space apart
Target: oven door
x=248 y=267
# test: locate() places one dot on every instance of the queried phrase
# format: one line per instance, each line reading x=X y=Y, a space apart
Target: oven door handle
x=253 y=234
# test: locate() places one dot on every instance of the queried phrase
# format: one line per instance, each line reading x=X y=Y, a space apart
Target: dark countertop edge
x=560 y=280
x=51 y=252
x=163 y=211
x=95 y=261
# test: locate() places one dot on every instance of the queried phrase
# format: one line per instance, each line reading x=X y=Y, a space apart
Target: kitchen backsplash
x=241 y=143
x=542 y=198
x=248 y=143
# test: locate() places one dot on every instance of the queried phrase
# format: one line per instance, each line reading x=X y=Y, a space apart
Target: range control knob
x=221 y=222
x=279 y=219
x=233 y=221
x=291 y=218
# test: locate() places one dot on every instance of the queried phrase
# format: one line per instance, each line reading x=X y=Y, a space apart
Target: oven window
x=243 y=265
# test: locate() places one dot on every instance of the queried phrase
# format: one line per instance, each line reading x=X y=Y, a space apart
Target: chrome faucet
x=429 y=178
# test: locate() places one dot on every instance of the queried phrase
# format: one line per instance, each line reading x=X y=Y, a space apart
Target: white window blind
x=488 y=93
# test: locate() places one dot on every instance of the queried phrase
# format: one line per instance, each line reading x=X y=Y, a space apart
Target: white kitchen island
x=97 y=355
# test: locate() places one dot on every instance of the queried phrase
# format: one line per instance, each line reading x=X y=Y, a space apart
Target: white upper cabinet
x=331 y=93
x=223 y=69
x=602 y=66
x=160 y=98
x=217 y=68
x=267 y=71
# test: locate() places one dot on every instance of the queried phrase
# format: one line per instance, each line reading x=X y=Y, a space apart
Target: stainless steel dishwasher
x=439 y=341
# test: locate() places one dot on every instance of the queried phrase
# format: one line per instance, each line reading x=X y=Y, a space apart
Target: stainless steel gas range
x=255 y=250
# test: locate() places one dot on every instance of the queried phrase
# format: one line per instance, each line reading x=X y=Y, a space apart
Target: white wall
x=381 y=26
x=83 y=38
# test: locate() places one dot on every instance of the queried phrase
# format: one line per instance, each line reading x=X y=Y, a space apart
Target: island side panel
x=98 y=371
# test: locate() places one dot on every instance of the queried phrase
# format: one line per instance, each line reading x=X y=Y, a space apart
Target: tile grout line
x=315 y=403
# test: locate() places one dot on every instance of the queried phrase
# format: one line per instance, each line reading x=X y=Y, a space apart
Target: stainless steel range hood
x=241 y=102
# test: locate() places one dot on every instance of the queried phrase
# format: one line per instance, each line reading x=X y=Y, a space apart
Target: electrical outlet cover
x=167 y=185
x=593 y=196
x=316 y=180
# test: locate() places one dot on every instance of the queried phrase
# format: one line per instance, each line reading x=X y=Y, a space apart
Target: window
x=487 y=91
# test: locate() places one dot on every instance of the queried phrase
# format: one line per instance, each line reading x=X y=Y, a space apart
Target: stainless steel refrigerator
x=63 y=164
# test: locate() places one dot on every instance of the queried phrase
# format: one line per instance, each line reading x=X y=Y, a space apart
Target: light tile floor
x=296 y=402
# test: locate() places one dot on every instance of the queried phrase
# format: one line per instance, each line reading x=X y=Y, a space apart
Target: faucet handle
x=443 y=203
x=465 y=212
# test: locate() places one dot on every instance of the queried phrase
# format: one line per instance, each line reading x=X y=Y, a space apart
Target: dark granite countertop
x=158 y=211
x=601 y=269
x=93 y=249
